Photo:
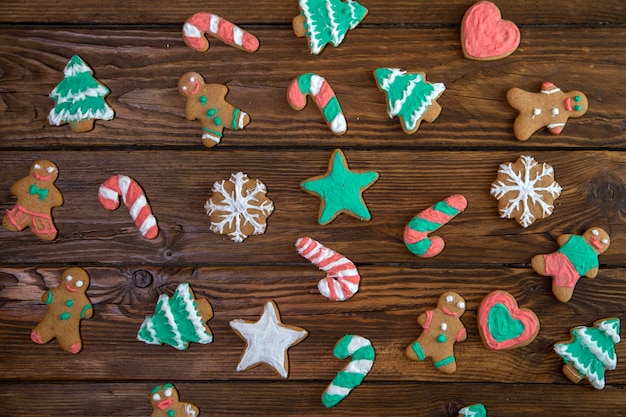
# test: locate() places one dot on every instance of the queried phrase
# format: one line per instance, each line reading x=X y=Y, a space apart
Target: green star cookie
x=340 y=190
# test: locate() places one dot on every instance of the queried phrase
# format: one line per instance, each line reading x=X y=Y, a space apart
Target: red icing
x=295 y=96
x=36 y=337
x=561 y=270
x=449 y=313
x=527 y=317
x=71 y=289
x=225 y=31
x=594 y=242
x=412 y=236
x=249 y=42
x=555 y=130
x=486 y=35
x=436 y=246
x=429 y=318
x=324 y=95
x=568 y=104
x=43 y=178
x=434 y=216
x=547 y=86
x=457 y=201
x=460 y=336
x=165 y=403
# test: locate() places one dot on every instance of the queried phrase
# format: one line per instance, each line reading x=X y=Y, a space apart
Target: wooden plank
x=381 y=12
x=179 y=183
x=298 y=398
x=142 y=68
x=384 y=310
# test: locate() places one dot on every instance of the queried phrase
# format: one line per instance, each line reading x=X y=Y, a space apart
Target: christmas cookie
x=503 y=325
x=362 y=356
x=326 y=21
x=165 y=403
x=442 y=329
x=207 y=103
x=135 y=200
x=416 y=231
x=549 y=108
x=578 y=256
x=267 y=340
x=67 y=306
x=409 y=97
x=341 y=190
x=239 y=207
x=474 y=410
x=178 y=321
x=590 y=351
x=200 y=24
x=525 y=190
x=36 y=197
x=79 y=98
x=342 y=278
x=324 y=96
x=485 y=36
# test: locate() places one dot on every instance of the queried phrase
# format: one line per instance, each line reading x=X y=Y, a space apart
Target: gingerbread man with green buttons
x=67 y=306
x=207 y=103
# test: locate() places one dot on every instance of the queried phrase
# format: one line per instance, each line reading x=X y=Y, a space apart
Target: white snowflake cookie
x=239 y=207
x=525 y=190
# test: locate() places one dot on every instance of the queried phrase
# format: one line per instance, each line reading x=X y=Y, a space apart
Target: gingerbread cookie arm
x=562 y=239
x=592 y=273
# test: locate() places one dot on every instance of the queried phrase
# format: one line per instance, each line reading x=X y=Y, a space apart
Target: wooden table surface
x=136 y=49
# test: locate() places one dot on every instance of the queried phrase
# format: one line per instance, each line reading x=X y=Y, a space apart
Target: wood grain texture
x=136 y=49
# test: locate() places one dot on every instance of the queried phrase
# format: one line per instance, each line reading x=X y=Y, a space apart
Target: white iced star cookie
x=267 y=340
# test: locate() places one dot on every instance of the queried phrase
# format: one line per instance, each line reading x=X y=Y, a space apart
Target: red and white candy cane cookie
x=342 y=278
x=134 y=198
x=201 y=23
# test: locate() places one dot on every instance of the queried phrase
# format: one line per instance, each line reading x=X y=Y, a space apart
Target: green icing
x=304 y=83
x=580 y=254
x=217 y=121
x=65 y=316
x=41 y=192
x=79 y=96
x=171 y=413
x=501 y=325
x=475 y=410
x=442 y=338
x=49 y=297
x=328 y=21
x=340 y=190
x=203 y=100
x=332 y=109
x=408 y=95
x=69 y=302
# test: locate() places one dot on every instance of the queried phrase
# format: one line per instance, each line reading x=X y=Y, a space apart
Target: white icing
x=449 y=299
x=555 y=111
x=611 y=329
x=190 y=411
x=524 y=194
x=553 y=125
x=315 y=84
x=75 y=69
x=608 y=358
x=337 y=390
x=238 y=209
x=386 y=82
x=139 y=203
x=438 y=88
x=240 y=120
x=314 y=41
x=552 y=91
x=79 y=284
x=193 y=315
x=167 y=313
x=338 y=124
x=356 y=343
x=191 y=31
x=267 y=340
x=214 y=23
x=237 y=35
x=212 y=137
x=597 y=381
x=334 y=27
x=123 y=183
x=147 y=325
x=444 y=326
x=397 y=105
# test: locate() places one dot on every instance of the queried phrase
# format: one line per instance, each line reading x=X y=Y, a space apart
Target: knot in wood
x=607 y=192
x=142 y=278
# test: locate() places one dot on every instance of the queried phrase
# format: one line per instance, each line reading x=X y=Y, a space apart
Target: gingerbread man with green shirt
x=578 y=256
x=67 y=306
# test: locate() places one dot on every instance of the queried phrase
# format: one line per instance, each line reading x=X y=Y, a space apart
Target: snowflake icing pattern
x=525 y=190
x=239 y=207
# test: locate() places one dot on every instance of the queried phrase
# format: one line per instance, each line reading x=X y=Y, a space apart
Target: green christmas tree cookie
x=326 y=21
x=178 y=320
x=409 y=97
x=590 y=351
x=79 y=98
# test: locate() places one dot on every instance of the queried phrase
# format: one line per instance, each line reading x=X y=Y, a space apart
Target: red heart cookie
x=485 y=36
x=503 y=325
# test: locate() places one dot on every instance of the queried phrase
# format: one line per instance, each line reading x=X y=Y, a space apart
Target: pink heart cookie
x=485 y=36
x=503 y=325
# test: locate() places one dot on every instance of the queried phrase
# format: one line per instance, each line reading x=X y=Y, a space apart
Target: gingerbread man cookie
x=549 y=108
x=578 y=256
x=165 y=403
x=36 y=196
x=67 y=306
x=442 y=328
x=207 y=103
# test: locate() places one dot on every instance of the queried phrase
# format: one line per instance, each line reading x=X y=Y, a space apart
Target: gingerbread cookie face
x=79 y=98
x=326 y=21
x=550 y=108
x=207 y=103
x=239 y=207
x=442 y=329
x=578 y=256
x=409 y=97
x=165 y=403
x=485 y=36
x=67 y=306
x=36 y=197
x=590 y=351
x=525 y=190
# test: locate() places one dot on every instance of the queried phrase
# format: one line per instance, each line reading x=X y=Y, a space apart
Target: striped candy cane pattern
x=324 y=96
x=134 y=198
x=352 y=375
x=342 y=278
x=200 y=23
x=429 y=220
